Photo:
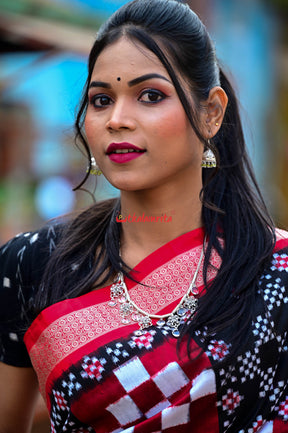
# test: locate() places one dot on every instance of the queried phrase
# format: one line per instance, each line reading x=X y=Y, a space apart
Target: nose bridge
x=121 y=114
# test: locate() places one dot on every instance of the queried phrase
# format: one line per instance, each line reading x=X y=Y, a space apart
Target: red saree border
x=156 y=259
x=166 y=252
x=64 y=309
x=281 y=240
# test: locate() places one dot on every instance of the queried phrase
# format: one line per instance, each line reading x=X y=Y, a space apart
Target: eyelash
x=153 y=92
x=150 y=92
x=94 y=98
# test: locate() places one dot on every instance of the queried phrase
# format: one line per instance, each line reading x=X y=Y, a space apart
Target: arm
x=22 y=261
x=18 y=397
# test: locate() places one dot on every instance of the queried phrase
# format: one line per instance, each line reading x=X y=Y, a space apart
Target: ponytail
x=238 y=226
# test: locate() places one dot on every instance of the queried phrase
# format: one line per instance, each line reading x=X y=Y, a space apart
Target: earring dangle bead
x=94 y=170
x=208 y=159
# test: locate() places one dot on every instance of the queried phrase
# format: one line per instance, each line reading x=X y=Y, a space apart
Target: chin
x=129 y=188
x=125 y=184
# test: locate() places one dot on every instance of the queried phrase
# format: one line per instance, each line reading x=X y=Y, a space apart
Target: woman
x=166 y=310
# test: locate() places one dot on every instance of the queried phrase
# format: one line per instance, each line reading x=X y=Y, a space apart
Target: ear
x=213 y=114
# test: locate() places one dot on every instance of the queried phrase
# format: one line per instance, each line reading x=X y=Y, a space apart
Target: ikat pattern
x=217 y=349
x=144 y=391
x=264 y=382
x=239 y=385
x=138 y=383
x=280 y=262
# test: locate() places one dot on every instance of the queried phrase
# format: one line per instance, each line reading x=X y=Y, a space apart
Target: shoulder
x=22 y=262
x=31 y=240
x=25 y=247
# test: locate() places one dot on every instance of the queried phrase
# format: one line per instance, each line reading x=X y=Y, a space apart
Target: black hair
x=234 y=215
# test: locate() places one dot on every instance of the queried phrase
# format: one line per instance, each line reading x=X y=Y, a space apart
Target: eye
x=99 y=101
x=151 y=96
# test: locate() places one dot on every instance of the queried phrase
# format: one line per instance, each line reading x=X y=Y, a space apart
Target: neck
x=151 y=219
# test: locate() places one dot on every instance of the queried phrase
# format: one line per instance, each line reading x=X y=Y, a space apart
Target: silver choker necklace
x=130 y=312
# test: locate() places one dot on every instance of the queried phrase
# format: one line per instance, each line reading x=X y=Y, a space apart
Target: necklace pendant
x=126 y=309
x=145 y=322
x=160 y=322
x=116 y=290
x=181 y=311
x=173 y=321
x=122 y=299
x=190 y=303
x=195 y=291
x=112 y=304
x=176 y=333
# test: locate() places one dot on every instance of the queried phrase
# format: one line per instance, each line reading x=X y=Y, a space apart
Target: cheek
x=175 y=128
x=91 y=127
x=88 y=125
x=174 y=125
x=173 y=118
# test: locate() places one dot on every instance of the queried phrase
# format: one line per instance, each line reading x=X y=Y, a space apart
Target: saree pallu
x=100 y=375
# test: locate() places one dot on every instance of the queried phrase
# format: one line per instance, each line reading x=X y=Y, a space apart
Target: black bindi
x=118 y=78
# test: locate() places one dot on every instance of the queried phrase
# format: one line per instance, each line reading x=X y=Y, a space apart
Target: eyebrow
x=99 y=84
x=145 y=78
x=131 y=83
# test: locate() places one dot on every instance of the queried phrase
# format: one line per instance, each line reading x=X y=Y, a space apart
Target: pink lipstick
x=123 y=152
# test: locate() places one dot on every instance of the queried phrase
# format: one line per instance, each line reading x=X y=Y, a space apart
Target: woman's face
x=135 y=123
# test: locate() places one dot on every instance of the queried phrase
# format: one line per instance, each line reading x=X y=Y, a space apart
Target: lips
x=123 y=152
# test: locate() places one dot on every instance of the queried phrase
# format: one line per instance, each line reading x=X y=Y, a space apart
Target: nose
x=121 y=117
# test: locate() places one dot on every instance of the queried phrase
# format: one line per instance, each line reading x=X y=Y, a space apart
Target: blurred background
x=43 y=51
x=44 y=47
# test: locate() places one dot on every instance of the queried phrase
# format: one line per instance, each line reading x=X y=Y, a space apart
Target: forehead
x=127 y=57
